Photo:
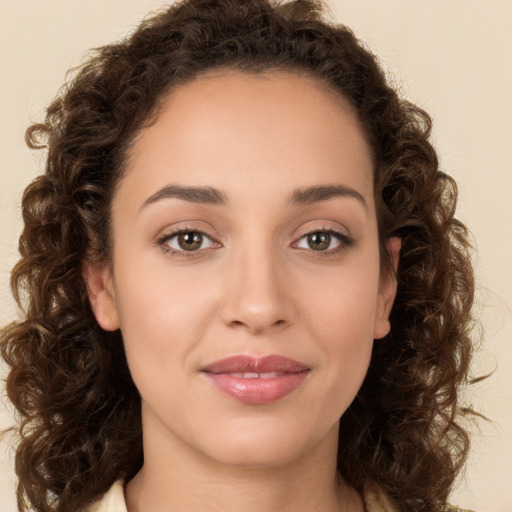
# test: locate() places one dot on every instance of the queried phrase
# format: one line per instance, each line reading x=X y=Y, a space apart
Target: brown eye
x=190 y=241
x=187 y=241
x=328 y=241
x=319 y=241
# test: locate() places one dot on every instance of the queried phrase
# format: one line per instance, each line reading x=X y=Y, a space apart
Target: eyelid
x=324 y=225
x=346 y=241
x=172 y=232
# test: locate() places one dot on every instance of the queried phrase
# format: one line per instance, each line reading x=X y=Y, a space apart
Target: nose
x=257 y=298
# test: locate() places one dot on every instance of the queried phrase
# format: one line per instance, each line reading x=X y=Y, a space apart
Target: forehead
x=274 y=128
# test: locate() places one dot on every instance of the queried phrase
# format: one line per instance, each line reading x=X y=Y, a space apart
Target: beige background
x=453 y=57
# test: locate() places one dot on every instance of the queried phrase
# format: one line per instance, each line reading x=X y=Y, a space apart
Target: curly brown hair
x=80 y=423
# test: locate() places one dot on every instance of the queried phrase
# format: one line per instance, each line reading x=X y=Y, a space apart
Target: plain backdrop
x=452 y=57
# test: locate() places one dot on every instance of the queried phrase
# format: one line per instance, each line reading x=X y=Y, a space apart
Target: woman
x=246 y=286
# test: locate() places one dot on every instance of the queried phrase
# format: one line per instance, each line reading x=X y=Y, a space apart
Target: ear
x=100 y=289
x=387 y=290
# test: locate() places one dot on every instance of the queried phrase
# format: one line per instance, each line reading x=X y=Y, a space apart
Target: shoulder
x=112 y=501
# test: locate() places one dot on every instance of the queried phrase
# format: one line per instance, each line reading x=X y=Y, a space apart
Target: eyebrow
x=210 y=195
x=207 y=195
x=315 y=194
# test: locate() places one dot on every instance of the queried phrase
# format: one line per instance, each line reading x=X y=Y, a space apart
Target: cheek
x=163 y=317
x=154 y=294
x=340 y=317
x=342 y=304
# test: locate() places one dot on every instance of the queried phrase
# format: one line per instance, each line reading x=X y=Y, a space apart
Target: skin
x=255 y=286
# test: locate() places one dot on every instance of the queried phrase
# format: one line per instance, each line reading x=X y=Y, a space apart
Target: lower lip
x=257 y=391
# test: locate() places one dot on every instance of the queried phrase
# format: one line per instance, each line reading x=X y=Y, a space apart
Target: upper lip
x=246 y=363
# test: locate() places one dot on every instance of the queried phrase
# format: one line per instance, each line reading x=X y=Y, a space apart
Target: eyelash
x=164 y=239
x=345 y=242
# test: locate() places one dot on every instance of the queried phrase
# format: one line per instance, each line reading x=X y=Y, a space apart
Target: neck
x=177 y=478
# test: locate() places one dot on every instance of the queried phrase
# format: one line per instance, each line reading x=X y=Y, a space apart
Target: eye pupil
x=190 y=241
x=319 y=241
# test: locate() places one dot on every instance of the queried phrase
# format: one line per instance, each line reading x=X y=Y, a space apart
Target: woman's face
x=245 y=276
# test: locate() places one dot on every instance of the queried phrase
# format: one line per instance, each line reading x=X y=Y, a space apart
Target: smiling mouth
x=256 y=380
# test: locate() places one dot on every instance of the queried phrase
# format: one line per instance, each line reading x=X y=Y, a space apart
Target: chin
x=260 y=456
x=266 y=444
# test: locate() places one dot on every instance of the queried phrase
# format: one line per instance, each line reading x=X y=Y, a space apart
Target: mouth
x=254 y=380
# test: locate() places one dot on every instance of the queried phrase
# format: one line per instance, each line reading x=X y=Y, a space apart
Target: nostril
x=254 y=326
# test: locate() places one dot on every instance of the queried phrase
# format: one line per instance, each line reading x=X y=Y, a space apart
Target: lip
x=273 y=377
